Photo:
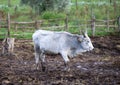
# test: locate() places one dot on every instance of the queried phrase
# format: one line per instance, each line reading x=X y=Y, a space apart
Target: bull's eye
x=87 y=42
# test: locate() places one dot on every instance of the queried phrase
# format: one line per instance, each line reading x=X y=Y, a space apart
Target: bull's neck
x=80 y=50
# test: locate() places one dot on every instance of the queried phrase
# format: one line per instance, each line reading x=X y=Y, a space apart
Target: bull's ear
x=79 y=39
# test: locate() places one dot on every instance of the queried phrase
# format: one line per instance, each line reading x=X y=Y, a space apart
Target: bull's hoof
x=43 y=68
x=37 y=67
x=67 y=69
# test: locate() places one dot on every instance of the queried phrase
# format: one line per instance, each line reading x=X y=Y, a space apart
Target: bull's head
x=85 y=41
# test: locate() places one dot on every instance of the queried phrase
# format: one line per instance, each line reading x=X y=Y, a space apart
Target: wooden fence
x=93 y=24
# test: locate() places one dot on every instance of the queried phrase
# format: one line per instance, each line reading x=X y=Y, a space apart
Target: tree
x=9 y=3
x=44 y=5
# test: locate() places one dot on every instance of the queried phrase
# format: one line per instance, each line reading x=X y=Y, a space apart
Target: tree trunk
x=8 y=46
x=9 y=3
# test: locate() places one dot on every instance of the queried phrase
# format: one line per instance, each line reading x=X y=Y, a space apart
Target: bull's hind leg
x=37 y=55
x=42 y=58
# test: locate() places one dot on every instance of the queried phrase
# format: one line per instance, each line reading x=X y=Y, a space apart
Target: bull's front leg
x=66 y=60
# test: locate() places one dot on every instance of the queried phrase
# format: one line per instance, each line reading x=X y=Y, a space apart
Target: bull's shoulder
x=54 y=33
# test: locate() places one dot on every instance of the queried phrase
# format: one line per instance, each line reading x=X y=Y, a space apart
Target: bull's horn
x=86 y=33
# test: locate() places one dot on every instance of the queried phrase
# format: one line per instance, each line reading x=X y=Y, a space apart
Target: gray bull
x=63 y=43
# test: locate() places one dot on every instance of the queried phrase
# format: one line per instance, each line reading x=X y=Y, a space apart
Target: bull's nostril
x=91 y=48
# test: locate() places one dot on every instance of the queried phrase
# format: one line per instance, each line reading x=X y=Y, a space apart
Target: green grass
x=20 y=34
x=13 y=2
x=3 y=32
x=52 y=15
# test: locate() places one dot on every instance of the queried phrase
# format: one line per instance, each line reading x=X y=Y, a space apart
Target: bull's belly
x=50 y=52
x=50 y=46
x=50 y=49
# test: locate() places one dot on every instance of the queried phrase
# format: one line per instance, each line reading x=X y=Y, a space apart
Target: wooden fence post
x=8 y=43
x=36 y=24
x=93 y=25
x=66 y=23
x=107 y=21
x=0 y=22
x=15 y=26
x=8 y=25
x=107 y=24
x=118 y=20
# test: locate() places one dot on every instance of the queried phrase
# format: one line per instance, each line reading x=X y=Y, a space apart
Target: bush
x=4 y=8
x=52 y=15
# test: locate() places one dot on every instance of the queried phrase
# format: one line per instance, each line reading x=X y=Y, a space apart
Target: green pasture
x=27 y=34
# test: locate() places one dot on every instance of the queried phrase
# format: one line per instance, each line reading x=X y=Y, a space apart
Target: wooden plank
x=54 y=27
x=24 y=27
x=22 y=22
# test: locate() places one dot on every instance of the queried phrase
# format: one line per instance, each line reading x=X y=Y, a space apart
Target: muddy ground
x=98 y=67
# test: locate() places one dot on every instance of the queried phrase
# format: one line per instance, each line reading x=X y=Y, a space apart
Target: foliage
x=22 y=18
x=52 y=15
x=12 y=2
x=4 y=8
x=45 y=5
x=20 y=33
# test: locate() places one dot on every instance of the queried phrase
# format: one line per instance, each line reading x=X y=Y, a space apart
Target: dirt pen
x=98 y=67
